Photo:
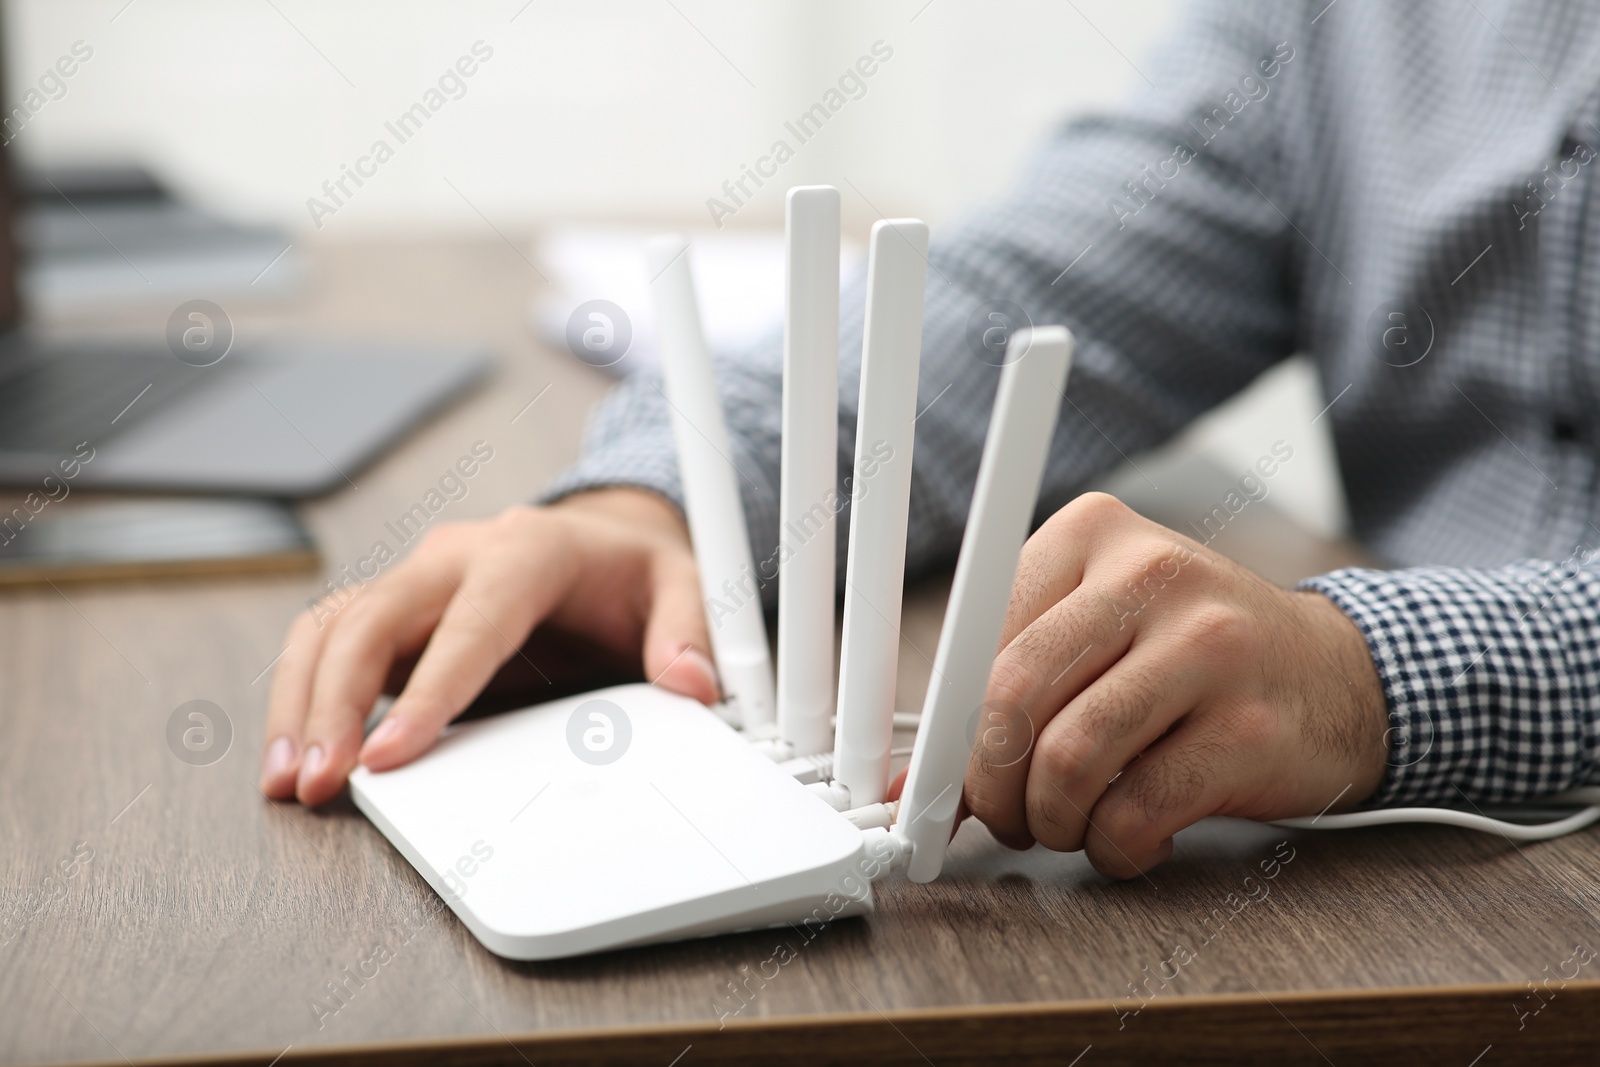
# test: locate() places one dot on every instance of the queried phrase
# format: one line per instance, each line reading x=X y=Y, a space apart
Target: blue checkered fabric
x=1400 y=190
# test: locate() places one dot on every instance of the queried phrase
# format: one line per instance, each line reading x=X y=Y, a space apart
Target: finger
x=516 y=580
x=1043 y=668
x=389 y=618
x=1050 y=566
x=1180 y=780
x=1054 y=560
x=1098 y=735
x=677 y=643
x=291 y=699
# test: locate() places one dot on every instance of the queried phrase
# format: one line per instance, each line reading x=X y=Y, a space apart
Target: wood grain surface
x=156 y=909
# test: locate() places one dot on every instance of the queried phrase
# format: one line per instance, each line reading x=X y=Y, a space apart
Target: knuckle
x=512 y=525
x=1044 y=545
x=522 y=517
x=1011 y=681
x=1216 y=629
x=1063 y=757
x=513 y=532
x=1150 y=571
x=1115 y=713
x=1158 y=560
x=436 y=538
x=1253 y=729
x=362 y=608
x=365 y=626
x=1054 y=823
x=1119 y=821
x=1095 y=509
x=306 y=624
x=1003 y=737
x=1034 y=566
x=1161 y=792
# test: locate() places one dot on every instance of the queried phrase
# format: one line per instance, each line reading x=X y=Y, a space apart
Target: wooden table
x=201 y=923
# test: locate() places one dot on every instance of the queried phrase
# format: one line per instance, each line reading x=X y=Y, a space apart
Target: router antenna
x=810 y=470
x=1020 y=429
x=891 y=355
x=728 y=580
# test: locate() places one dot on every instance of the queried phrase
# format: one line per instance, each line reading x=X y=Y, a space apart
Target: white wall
x=596 y=109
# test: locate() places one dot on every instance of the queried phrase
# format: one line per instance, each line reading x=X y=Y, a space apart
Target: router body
x=631 y=815
x=689 y=830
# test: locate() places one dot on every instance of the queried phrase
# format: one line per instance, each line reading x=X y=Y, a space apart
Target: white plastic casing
x=806 y=570
x=728 y=579
x=1020 y=428
x=546 y=850
x=891 y=355
x=688 y=831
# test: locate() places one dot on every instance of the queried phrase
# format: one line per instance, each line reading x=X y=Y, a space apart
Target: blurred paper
x=739 y=278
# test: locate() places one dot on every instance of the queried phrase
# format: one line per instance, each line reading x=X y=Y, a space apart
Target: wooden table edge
x=1398 y=1025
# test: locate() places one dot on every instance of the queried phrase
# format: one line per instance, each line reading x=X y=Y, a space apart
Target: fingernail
x=310 y=765
x=280 y=754
x=387 y=731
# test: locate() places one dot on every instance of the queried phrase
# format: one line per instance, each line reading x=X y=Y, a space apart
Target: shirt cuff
x=1484 y=703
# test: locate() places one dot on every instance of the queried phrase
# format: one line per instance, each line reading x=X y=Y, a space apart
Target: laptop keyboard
x=54 y=403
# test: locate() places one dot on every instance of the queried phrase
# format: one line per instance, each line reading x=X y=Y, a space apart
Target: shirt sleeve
x=1158 y=234
x=1492 y=677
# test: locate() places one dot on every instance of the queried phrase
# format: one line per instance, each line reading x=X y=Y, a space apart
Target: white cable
x=874 y=815
x=1467 y=820
x=819 y=767
x=903 y=720
x=774 y=748
x=835 y=794
x=808 y=769
x=889 y=850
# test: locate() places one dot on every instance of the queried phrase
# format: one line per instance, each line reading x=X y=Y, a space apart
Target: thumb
x=677 y=643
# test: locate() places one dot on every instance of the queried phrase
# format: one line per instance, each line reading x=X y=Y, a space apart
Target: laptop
x=194 y=410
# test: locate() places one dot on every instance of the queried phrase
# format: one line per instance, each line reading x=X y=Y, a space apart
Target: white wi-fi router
x=632 y=815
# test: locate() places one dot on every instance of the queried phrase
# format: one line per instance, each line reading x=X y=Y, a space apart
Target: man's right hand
x=610 y=567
